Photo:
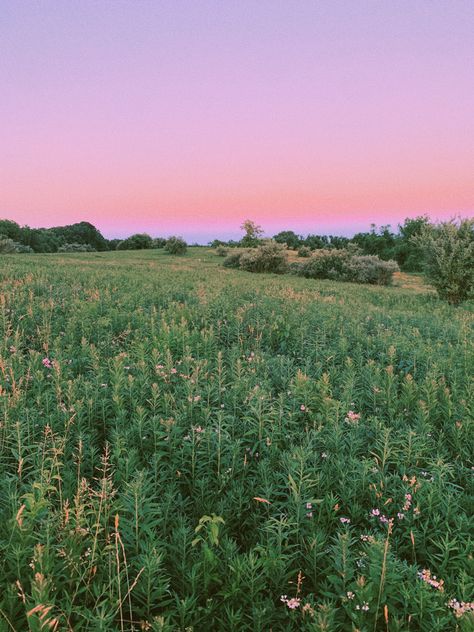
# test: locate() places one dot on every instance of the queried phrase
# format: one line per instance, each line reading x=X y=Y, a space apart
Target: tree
x=288 y=237
x=448 y=250
x=408 y=255
x=80 y=233
x=10 y=229
x=253 y=233
x=158 y=242
x=138 y=241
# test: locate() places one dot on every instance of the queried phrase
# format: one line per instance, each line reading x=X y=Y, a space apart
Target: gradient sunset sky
x=190 y=116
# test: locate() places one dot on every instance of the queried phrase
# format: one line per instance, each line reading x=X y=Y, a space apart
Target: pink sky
x=188 y=117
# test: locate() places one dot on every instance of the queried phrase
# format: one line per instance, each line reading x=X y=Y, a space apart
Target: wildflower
x=324 y=455
x=345 y=520
x=350 y=595
x=460 y=607
x=46 y=362
x=400 y=515
x=352 y=417
x=262 y=500
x=173 y=371
x=309 y=506
x=198 y=429
x=309 y=514
x=367 y=538
x=303 y=408
x=425 y=575
x=375 y=512
x=292 y=603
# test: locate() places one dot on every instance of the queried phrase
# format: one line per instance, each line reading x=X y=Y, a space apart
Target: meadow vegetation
x=189 y=447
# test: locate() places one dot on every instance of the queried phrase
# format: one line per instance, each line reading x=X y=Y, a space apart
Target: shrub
x=270 y=257
x=326 y=264
x=22 y=249
x=448 y=250
x=343 y=265
x=176 y=246
x=370 y=269
x=7 y=245
x=233 y=260
x=221 y=251
x=74 y=247
x=304 y=251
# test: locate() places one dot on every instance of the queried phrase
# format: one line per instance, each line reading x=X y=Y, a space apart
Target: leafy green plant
x=176 y=246
x=269 y=257
x=448 y=250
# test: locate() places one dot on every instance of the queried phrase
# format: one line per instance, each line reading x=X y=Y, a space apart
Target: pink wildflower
x=46 y=362
x=293 y=603
x=352 y=417
x=426 y=576
x=460 y=607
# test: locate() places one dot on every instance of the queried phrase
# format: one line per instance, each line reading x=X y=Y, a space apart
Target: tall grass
x=187 y=447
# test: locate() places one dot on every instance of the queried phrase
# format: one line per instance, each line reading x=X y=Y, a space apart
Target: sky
x=187 y=117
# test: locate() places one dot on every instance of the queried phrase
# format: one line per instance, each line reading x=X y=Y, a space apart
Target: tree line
x=79 y=237
x=385 y=243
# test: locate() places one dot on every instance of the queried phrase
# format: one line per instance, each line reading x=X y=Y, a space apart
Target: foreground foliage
x=187 y=447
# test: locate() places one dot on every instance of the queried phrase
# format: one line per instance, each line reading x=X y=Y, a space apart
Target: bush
x=233 y=260
x=304 y=251
x=370 y=269
x=221 y=251
x=343 y=265
x=270 y=257
x=326 y=264
x=7 y=245
x=448 y=250
x=76 y=248
x=176 y=246
x=22 y=249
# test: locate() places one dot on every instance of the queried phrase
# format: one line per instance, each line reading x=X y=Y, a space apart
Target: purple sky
x=188 y=117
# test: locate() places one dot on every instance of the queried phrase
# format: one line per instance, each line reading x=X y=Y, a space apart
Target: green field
x=181 y=445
